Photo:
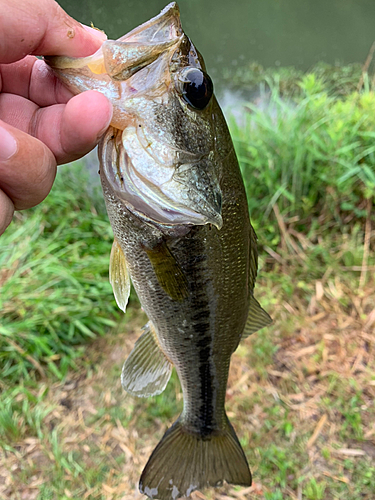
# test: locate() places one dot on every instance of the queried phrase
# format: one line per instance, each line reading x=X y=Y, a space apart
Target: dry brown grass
x=302 y=398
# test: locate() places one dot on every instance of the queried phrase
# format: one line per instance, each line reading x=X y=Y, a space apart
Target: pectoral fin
x=257 y=318
x=119 y=276
x=168 y=272
x=146 y=371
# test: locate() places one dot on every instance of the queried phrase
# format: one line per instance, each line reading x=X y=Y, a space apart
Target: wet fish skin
x=178 y=209
x=200 y=333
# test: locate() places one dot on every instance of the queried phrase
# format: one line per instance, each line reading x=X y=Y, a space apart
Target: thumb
x=42 y=28
x=27 y=168
x=6 y=211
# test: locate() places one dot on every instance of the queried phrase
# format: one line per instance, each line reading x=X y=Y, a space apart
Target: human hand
x=41 y=123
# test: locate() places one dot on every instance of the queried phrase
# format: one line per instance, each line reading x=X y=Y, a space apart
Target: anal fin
x=258 y=318
x=119 y=276
x=146 y=372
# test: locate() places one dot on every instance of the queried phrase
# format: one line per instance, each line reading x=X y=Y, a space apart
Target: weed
x=314 y=490
x=277 y=494
x=336 y=80
x=301 y=392
x=22 y=413
x=312 y=158
x=54 y=287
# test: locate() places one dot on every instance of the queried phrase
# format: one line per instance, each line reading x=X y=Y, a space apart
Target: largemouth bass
x=178 y=209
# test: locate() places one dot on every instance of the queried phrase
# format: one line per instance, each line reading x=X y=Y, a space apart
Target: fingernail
x=8 y=145
x=99 y=34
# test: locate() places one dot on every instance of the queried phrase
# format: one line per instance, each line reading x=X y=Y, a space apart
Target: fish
x=182 y=235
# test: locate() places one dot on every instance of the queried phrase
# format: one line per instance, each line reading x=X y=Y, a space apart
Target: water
x=296 y=33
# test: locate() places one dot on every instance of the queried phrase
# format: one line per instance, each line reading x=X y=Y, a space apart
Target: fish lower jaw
x=148 y=199
x=163 y=215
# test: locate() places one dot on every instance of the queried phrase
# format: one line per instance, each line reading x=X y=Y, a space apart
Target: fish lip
x=170 y=15
x=163 y=28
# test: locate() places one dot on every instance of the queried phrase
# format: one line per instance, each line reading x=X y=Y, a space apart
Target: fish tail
x=183 y=462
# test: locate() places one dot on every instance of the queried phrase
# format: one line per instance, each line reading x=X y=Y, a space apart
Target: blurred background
x=271 y=32
x=296 y=82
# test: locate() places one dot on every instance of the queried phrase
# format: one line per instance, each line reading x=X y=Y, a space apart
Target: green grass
x=55 y=292
x=308 y=158
x=22 y=413
x=337 y=80
x=312 y=157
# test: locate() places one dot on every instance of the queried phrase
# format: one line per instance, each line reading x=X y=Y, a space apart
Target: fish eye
x=196 y=88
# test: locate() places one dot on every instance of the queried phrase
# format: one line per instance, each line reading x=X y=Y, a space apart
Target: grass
x=312 y=158
x=338 y=80
x=300 y=394
x=301 y=401
x=54 y=287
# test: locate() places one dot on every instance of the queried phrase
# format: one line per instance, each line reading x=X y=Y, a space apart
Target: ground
x=300 y=396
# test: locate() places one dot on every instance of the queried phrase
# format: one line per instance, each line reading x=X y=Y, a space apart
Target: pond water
x=295 y=33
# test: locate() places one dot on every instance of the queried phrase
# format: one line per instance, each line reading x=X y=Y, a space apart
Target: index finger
x=41 y=27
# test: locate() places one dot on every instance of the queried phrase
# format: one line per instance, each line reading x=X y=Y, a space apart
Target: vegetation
x=337 y=80
x=301 y=393
x=312 y=155
x=54 y=280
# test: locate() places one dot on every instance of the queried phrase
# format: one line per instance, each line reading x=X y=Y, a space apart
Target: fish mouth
x=165 y=25
x=120 y=59
x=115 y=69
x=152 y=178
x=175 y=199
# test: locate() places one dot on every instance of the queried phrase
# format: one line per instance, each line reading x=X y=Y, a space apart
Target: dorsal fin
x=119 y=276
x=253 y=261
x=147 y=370
x=257 y=318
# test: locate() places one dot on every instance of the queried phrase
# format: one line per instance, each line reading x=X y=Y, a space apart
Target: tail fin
x=183 y=462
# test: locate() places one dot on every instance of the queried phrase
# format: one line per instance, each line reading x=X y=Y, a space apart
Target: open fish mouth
x=166 y=195
x=120 y=59
x=154 y=78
